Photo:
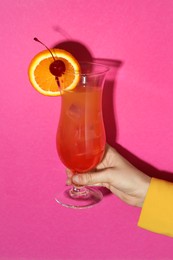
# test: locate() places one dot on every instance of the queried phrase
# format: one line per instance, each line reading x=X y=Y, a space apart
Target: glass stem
x=79 y=192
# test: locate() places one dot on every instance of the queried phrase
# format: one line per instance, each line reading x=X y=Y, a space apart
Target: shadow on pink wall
x=144 y=166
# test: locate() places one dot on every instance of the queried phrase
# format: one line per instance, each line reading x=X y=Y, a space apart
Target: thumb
x=93 y=178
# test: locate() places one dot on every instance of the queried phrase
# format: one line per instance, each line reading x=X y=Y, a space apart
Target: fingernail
x=69 y=173
x=76 y=179
x=68 y=182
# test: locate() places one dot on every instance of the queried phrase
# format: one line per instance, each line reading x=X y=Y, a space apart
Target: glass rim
x=95 y=69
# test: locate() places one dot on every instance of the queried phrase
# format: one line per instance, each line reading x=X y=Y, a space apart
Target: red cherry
x=57 y=68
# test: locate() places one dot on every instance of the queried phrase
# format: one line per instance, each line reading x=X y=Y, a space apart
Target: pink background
x=136 y=38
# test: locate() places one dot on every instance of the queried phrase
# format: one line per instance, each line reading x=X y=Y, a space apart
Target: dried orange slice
x=44 y=81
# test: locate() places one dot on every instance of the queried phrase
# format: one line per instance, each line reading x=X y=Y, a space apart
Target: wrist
x=145 y=185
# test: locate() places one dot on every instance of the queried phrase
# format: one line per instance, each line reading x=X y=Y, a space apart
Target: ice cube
x=74 y=112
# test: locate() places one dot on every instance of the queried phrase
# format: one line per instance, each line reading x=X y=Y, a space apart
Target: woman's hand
x=118 y=175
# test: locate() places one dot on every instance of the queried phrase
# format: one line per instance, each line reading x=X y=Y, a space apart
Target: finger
x=69 y=173
x=68 y=182
x=101 y=176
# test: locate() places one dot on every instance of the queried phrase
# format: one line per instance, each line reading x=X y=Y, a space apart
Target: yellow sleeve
x=157 y=210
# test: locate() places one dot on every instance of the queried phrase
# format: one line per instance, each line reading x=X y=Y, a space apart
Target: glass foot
x=79 y=197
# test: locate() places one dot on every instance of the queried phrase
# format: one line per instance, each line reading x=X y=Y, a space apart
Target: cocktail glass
x=81 y=135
